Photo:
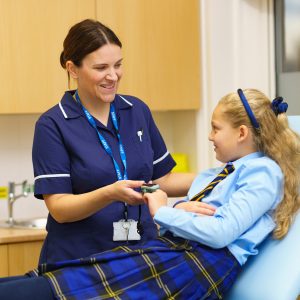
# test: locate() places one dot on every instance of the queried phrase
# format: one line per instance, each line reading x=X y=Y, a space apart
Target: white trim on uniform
x=62 y=110
x=126 y=100
x=51 y=175
x=161 y=158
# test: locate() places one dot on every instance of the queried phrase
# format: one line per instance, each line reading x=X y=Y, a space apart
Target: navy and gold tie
x=229 y=168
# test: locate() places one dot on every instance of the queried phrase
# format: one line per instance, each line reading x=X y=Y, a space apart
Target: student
x=199 y=256
x=93 y=151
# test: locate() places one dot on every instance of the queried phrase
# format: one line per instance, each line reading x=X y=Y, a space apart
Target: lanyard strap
x=103 y=141
x=108 y=150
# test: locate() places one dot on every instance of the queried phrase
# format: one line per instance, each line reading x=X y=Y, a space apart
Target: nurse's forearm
x=70 y=208
x=176 y=184
x=66 y=208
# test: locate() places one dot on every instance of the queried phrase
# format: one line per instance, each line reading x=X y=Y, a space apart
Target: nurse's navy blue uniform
x=69 y=159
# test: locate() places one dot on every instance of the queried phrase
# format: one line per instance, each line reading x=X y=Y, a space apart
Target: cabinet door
x=3 y=260
x=32 y=34
x=23 y=257
x=160 y=49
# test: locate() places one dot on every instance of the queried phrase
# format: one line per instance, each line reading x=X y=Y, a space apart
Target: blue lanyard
x=103 y=141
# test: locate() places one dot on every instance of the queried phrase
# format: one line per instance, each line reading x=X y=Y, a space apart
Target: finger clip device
x=149 y=187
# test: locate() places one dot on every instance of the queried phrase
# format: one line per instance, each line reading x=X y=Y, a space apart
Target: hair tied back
x=278 y=106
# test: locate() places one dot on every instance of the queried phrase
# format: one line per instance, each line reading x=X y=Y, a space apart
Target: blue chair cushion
x=274 y=273
x=294 y=122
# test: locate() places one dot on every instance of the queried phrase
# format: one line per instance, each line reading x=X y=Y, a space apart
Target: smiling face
x=99 y=74
x=225 y=138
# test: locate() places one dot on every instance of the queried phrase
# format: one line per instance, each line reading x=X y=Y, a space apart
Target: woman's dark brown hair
x=84 y=38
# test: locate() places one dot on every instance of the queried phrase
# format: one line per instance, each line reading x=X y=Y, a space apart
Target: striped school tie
x=229 y=168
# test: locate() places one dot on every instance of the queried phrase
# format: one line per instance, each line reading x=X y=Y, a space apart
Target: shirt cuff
x=164 y=215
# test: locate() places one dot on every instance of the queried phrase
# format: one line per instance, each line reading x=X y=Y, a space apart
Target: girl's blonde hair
x=278 y=141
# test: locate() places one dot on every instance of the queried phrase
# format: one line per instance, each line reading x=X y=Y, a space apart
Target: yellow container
x=181 y=160
x=3 y=192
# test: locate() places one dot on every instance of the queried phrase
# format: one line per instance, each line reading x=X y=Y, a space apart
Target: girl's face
x=99 y=74
x=224 y=137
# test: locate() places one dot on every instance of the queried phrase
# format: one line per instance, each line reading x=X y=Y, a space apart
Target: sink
x=38 y=223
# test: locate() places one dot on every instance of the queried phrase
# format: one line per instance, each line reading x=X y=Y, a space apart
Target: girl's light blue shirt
x=245 y=202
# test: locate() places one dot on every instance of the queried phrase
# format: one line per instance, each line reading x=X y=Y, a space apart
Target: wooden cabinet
x=160 y=48
x=23 y=257
x=32 y=34
x=19 y=250
x=3 y=260
x=19 y=258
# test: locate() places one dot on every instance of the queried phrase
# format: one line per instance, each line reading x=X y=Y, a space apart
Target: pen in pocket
x=140 y=134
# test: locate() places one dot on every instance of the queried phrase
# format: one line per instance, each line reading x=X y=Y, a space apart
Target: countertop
x=16 y=235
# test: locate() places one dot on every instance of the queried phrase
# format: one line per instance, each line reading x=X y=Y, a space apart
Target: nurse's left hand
x=123 y=190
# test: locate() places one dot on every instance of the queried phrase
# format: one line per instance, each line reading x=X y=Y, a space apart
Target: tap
x=12 y=197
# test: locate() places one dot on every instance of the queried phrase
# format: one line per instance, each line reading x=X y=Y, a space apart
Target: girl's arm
x=176 y=184
x=159 y=199
x=258 y=190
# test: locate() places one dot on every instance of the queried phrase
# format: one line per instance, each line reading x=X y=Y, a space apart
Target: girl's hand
x=200 y=208
x=155 y=200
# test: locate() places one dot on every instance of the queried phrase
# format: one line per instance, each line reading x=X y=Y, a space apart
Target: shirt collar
x=71 y=109
x=122 y=102
x=237 y=163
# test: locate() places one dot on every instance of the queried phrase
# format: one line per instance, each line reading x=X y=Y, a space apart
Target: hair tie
x=278 y=106
x=248 y=109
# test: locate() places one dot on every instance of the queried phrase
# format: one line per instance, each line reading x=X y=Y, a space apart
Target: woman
x=93 y=151
x=91 y=154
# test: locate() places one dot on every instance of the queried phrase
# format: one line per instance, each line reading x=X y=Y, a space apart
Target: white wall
x=179 y=132
x=15 y=160
x=237 y=52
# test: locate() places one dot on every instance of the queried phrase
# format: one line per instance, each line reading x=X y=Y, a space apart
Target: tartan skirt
x=164 y=268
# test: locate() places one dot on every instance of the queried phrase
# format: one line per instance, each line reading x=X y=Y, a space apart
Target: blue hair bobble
x=248 y=109
x=278 y=106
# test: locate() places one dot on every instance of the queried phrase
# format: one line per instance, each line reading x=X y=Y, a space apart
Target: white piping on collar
x=62 y=110
x=161 y=158
x=126 y=100
x=66 y=116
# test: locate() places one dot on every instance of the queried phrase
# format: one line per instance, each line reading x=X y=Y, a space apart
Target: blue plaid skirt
x=164 y=268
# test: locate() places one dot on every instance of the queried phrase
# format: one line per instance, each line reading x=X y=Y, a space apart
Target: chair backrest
x=294 y=122
x=274 y=273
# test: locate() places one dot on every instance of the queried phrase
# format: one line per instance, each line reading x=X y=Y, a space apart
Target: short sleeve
x=163 y=162
x=51 y=162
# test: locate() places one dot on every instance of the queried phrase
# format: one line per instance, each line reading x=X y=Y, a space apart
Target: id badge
x=126 y=231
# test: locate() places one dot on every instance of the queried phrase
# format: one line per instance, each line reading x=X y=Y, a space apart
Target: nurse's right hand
x=123 y=190
x=66 y=208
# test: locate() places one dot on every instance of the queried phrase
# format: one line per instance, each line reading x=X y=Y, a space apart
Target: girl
x=199 y=256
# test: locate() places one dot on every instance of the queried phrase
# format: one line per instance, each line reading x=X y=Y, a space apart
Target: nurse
x=93 y=151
